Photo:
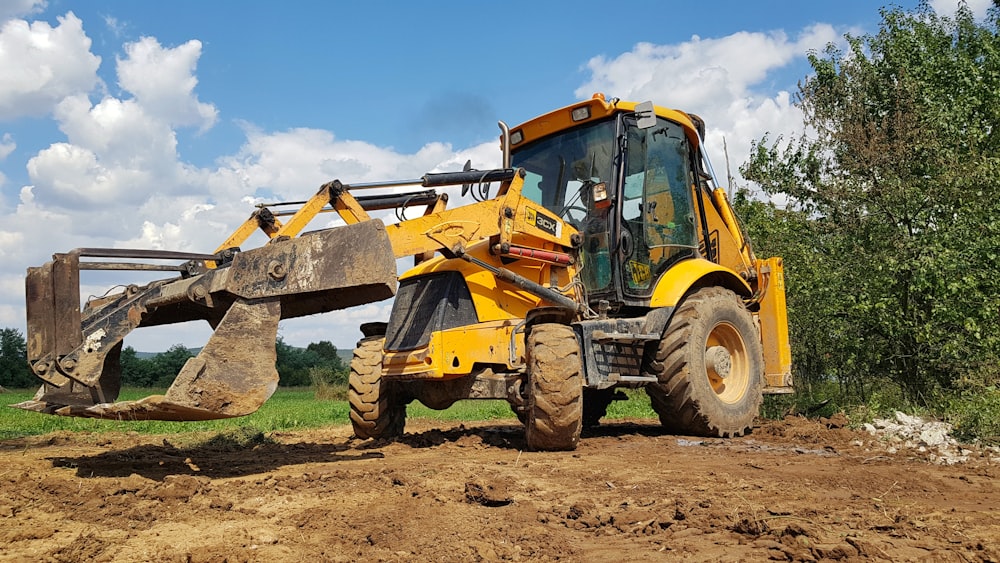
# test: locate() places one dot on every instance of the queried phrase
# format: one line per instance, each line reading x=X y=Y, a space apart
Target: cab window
x=657 y=212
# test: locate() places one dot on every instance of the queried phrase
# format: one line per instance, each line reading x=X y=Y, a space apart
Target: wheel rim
x=729 y=388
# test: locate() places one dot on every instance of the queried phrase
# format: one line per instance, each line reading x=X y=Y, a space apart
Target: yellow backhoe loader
x=605 y=258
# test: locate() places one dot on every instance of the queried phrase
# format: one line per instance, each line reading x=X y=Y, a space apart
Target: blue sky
x=157 y=124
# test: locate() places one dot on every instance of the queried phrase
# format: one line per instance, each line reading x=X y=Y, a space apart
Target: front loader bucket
x=76 y=354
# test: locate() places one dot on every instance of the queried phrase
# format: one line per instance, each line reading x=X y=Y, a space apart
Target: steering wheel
x=575 y=215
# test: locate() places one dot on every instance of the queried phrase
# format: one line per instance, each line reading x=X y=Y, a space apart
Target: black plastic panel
x=427 y=304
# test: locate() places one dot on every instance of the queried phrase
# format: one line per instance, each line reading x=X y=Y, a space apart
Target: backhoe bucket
x=76 y=354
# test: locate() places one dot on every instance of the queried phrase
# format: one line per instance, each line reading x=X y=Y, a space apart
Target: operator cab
x=625 y=182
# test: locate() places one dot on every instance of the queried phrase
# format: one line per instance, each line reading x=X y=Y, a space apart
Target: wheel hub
x=719 y=360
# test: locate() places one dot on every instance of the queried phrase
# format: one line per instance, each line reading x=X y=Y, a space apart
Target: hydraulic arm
x=244 y=294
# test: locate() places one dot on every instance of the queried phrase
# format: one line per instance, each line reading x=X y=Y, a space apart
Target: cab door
x=657 y=222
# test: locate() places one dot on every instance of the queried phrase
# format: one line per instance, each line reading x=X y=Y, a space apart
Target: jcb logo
x=543 y=222
x=640 y=272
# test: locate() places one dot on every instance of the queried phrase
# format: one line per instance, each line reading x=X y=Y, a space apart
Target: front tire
x=555 y=381
x=709 y=365
x=377 y=411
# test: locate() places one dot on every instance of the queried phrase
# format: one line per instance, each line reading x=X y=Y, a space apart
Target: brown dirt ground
x=794 y=490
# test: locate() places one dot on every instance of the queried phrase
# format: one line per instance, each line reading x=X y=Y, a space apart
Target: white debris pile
x=930 y=437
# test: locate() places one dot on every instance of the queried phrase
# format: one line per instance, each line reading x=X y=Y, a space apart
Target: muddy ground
x=793 y=490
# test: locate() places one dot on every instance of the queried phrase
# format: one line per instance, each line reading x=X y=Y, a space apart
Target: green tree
x=293 y=364
x=326 y=351
x=136 y=371
x=330 y=361
x=894 y=195
x=168 y=364
x=14 y=370
x=821 y=335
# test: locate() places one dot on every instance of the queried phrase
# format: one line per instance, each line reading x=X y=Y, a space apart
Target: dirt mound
x=793 y=490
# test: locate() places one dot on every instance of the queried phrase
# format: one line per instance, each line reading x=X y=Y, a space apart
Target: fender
x=676 y=281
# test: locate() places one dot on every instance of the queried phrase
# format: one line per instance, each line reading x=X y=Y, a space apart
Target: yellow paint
x=773 y=316
x=729 y=219
x=730 y=249
x=600 y=108
x=458 y=352
x=676 y=281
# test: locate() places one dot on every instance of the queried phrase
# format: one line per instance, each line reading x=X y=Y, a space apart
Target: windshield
x=649 y=224
x=562 y=172
x=559 y=167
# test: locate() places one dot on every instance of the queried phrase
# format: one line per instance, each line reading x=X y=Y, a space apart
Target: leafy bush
x=974 y=412
x=14 y=370
x=328 y=384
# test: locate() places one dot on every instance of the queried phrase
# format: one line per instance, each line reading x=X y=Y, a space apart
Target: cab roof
x=599 y=108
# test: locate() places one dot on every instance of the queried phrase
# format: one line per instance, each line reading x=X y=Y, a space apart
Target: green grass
x=463 y=410
x=288 y=409
x=637 y=406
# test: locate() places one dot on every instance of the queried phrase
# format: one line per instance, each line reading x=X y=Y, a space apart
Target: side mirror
x=645 y=117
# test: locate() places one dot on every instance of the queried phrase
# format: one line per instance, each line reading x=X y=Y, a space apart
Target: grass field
x=288 y=409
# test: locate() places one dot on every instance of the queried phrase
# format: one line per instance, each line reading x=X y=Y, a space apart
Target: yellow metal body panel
x=561 y=119
x=495 y=300
x=457 y=352
x=676 y=281
x=732 y=225
x=773 y=316
x=248 y=228
x=729 y=250
x=309 y=211
x=506 y=216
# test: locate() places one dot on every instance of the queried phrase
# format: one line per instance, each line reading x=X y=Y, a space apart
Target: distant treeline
x=297 y=367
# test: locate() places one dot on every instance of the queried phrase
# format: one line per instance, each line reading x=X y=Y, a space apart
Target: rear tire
x=377 y=410
x=555 y=382
x=710 y=367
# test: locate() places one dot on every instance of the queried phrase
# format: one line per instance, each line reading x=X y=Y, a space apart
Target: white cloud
x=124 y=151
x=948 y=7
x=32 y=233
x=16 y=8
x=183 y=223
x=116 y=27
x=720 y=79
x=7 y=145
x=10 y=242
x=163 y=82
x=11 y=316
x=701 y=72
x=296 y=162
x=43 y=64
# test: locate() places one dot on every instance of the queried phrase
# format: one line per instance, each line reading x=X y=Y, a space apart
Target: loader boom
x=243 y=295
